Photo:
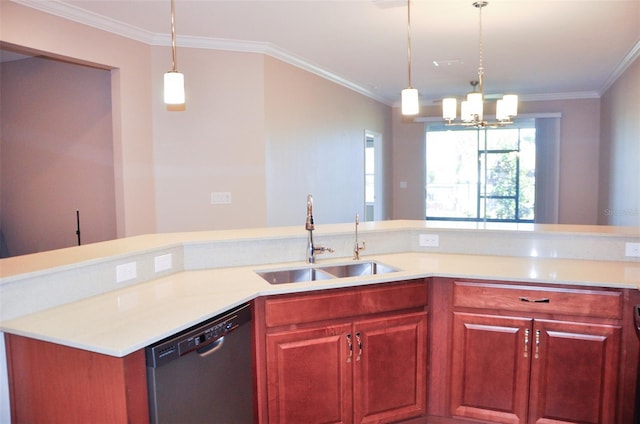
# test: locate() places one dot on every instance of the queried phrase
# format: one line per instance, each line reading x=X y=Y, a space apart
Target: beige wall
x=579 y=145
x=215 y=145
x=130 y=66
x=56 y=155
x=619 y=200
x=314 y=141
x=409 y=161
x=578 y=160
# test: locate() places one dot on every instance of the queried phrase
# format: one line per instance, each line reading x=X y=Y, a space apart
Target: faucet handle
x=356 y=250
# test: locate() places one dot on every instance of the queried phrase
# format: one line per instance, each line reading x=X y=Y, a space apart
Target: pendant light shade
x=410 y=101
x=173 y=80
x=449 y=106
x=174 y=88
x=474 y=103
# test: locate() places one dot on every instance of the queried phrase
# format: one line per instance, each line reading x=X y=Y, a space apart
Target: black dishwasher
x=204 y=374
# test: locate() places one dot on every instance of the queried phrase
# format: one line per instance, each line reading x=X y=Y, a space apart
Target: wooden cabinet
x=515 y=365
x=369 y=367
x=50 y=383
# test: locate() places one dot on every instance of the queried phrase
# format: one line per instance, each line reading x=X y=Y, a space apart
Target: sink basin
x=358 y=269
x=298 y=275
x=307 y=274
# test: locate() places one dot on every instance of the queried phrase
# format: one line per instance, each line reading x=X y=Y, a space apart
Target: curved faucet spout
x=309 y=224
x=312 y=249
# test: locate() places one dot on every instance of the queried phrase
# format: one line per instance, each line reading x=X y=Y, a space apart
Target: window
x=481 y=174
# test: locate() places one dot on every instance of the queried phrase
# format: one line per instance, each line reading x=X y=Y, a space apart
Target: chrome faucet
x=312 y=249
x=356 y=247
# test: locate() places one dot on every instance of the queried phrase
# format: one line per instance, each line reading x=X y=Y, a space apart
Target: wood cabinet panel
x=54 y=383
x=574 y=373
x=522 y=298
x=344 y=303
x=309 y=376
x=390 y=368
x=490 y=368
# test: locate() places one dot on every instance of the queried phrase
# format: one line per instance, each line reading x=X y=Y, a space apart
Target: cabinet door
x=309 y=376
x=390 y=360
x=490 y=367
x=574 y=372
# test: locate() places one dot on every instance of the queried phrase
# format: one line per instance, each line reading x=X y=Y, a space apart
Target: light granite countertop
x=207 y=277
x=122 y=321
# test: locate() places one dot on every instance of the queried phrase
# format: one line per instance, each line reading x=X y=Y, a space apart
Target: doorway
x=56 y=155
x=372 y=176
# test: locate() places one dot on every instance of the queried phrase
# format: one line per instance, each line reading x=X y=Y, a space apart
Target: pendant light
x=471 y=109
x=410 y=101
x=173 y=80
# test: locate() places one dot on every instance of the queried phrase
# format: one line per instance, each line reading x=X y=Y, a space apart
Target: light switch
x=220 y=198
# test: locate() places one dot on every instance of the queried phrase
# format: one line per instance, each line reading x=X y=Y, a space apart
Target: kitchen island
x=82 y=299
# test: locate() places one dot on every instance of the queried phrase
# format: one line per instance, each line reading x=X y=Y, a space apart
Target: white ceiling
x=540 y=49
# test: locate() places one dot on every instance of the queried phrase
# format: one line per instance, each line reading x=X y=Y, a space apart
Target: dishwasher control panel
x=197 y=337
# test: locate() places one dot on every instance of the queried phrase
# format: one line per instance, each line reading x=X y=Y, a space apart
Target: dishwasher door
x=204 y=374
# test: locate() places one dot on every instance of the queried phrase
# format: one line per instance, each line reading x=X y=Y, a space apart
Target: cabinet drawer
x=341 y=303
x=581 y=302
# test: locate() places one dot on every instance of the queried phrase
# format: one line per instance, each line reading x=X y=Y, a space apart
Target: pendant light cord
x=174 y=62
x=409 y=41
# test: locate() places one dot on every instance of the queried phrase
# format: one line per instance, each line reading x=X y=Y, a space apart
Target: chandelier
x=471 y=109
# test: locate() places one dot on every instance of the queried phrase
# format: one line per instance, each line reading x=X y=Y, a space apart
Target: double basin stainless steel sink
x=327 y=272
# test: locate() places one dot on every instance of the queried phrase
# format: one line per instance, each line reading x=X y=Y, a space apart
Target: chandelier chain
x=480 y=6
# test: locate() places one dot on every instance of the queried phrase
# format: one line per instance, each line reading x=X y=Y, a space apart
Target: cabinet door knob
x=526 y=343
x=542 y=300
x=359 y=340
x=350 y=344
x=537 y=343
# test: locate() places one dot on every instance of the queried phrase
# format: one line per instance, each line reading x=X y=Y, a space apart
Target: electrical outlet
x=126 y=272
x=220 y=198
x=162 y=262
x=429 y=240
x=632 y=249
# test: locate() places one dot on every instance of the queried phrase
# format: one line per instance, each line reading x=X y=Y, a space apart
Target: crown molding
x=73 y=13
x=633 y=54
x=570 y=95
x=94 y=20
x=84 y=17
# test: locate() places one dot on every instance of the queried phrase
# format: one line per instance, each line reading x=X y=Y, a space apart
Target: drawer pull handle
x=350 y=344
x=543 y=300
x=526 y=343
x=537 y=343
x=359 y=340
